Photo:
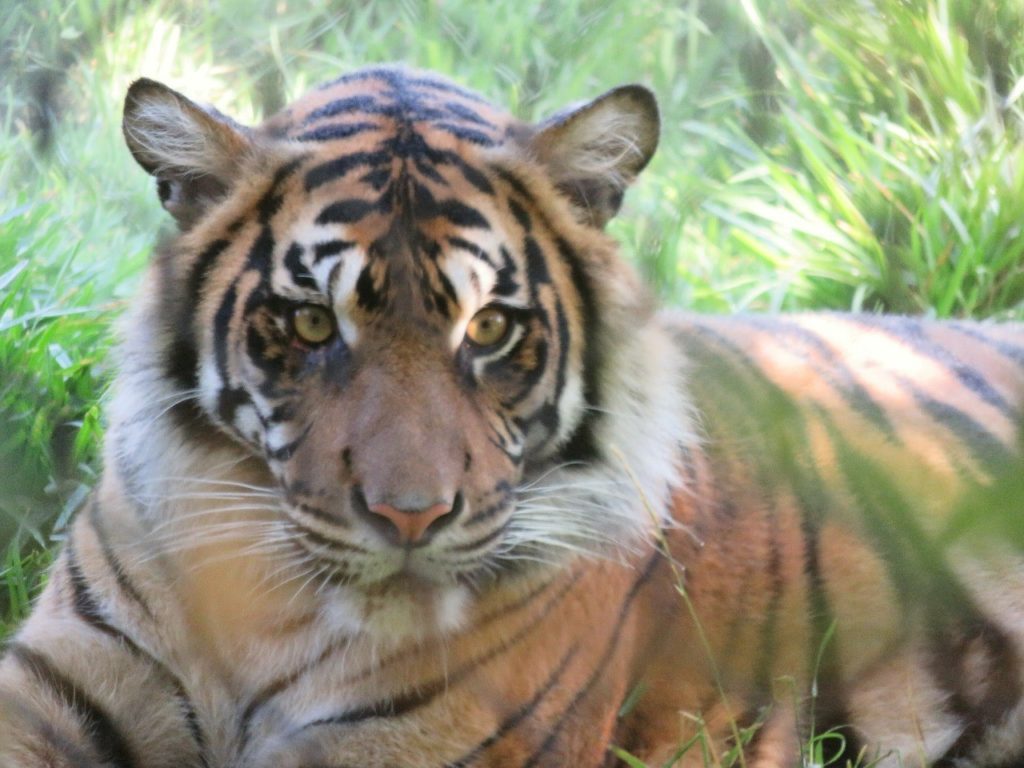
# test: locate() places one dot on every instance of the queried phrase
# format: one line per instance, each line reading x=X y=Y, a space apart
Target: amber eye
x=312 y=324
x=488 y=327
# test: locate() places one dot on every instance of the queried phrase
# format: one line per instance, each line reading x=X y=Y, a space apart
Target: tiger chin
x=406 y=468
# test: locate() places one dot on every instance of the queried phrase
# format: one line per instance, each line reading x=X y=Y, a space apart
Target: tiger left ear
x=193 y=151
x=594 y=151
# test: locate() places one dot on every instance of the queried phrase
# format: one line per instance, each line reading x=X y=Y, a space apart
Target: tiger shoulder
x=405 y=467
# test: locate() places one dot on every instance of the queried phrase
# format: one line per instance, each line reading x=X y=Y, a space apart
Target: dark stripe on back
x=834 y=371
x=911 y=333
x=1012 y=352
x=769 y=626
x=986 y=447
x=916 y=563
x=108 y=741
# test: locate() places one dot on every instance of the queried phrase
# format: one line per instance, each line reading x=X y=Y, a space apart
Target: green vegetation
x=830 y=154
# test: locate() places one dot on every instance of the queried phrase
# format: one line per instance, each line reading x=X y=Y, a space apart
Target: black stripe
x=984 y=444
x=465 y=133
x=524 y=711
x=324 y=541
x=829 y=710
x=113 y=563
x=463 y=112
x=917 y=564
x=221 y=330
x=582 y=445
x=912 y=333
x=198 y=271
x=345 y=211
x=461 y=215
x=504 y=492
x=339 y=167
x=520 y=215
x=602 y=664
x=300 y=274
x=481 y=541
x=330 y=248
x=107 y=740
x=469 y=172
x=181 y=356
x=473 y=248
x=769 y=626
x=82 y=601
x=335 y=131
x=346 y=105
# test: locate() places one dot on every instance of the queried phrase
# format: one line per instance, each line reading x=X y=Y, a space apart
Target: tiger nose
x=413 y=526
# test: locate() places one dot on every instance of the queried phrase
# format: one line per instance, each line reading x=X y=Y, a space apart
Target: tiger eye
x=488 y=327
x=312 y=324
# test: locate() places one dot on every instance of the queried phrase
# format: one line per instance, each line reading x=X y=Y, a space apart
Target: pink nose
x=410 y=526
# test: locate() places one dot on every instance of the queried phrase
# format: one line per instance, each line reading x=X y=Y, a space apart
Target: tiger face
x=400 y=302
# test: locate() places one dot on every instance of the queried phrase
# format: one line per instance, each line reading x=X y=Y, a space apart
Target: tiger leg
x=79 y=688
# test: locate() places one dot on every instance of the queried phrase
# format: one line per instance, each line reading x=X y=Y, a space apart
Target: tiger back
x=404 y=467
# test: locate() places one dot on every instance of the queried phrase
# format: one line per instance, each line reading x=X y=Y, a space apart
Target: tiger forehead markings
x=373 y=187
x=405 y=469
x=398 y=232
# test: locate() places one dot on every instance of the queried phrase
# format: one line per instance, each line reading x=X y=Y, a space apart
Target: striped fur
x=643 y=528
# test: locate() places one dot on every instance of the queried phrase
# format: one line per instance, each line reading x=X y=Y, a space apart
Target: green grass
x=815 y=154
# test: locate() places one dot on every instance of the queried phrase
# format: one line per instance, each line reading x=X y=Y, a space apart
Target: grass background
x=844 y=154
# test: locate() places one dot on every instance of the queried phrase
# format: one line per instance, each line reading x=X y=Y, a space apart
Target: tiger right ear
x=193 y=152
x=594 y=151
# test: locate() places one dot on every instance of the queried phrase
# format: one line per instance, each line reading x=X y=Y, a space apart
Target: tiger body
x=343 y=521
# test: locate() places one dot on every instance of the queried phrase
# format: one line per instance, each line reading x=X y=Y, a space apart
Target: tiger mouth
x=408 y=573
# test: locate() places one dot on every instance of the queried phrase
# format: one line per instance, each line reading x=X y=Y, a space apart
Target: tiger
x=405 y=466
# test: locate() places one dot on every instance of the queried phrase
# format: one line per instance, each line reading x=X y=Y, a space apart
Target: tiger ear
x=193 y=152
x=594 y=151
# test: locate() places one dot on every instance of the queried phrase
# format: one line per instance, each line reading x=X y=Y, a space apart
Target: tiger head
x=401 y=302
